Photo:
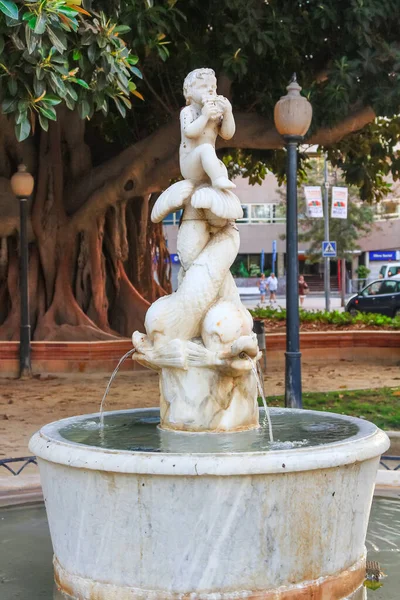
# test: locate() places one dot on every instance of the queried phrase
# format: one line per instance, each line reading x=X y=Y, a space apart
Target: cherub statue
x=200 y=337
x=206 y=116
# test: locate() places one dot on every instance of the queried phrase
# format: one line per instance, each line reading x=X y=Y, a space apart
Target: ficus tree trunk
x=91 y=277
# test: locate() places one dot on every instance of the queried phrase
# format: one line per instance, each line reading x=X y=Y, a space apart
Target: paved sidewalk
x=251 y=298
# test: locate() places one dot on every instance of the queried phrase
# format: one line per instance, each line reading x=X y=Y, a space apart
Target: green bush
x=339 y=319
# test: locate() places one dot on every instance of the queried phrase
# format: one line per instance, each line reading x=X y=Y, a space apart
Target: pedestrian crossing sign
x=328 y=249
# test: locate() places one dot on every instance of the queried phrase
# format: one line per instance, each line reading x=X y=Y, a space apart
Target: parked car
x=381 y=296
x=390 y=269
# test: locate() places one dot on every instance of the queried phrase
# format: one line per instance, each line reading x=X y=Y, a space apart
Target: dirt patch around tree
x=27 y=405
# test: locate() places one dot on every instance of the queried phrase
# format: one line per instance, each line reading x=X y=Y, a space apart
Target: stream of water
x=260 y=387
x=102 y=404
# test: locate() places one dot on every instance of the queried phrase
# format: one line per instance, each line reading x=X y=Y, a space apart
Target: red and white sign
x=339 y=202
x=314 y=201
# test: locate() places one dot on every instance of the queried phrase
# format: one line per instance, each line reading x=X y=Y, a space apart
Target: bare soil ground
x=27 y=405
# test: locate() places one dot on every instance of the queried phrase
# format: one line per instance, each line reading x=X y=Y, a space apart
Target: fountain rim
x=48 y=445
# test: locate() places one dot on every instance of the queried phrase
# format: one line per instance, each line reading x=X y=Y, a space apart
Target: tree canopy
x=69 y=75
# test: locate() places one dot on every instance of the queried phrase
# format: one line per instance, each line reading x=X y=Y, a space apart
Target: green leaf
x=52 y=100
x=76 y=55
x=1 y=44
x=120 y=106
x=8 y=105
x=92 y=53
x=39 y=73
x=38 y=86
x=21 y=116
x=31 y=42
x=22 y=130
x=70 y=103
x=48 y=112
x=32 y=20
x=71 y=92
x=66 y=10
x=136 y=72
x=84 y=109
x=132 y=59
x=40 y=26
x=57 y=39
x=80 y=82
x=122 y=29
x=44 y=124
x=10 y=9
x=12 y=86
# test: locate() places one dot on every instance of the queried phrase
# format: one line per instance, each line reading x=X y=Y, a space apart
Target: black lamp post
x=22 y=184
x=292 y=116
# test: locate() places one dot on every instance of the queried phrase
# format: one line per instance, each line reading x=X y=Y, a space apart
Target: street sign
x=328 y=249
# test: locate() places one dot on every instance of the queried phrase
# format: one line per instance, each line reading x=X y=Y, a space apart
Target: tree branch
x=149 y=165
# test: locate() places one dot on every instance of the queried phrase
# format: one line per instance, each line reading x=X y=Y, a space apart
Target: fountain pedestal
x=279 y=525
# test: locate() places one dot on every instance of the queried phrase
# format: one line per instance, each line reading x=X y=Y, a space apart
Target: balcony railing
x=252 y=214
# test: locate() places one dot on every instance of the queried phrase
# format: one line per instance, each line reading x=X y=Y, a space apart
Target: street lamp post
x=292 y=116
x=22 y=184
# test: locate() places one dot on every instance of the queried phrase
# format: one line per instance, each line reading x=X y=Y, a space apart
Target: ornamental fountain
x=195 y=501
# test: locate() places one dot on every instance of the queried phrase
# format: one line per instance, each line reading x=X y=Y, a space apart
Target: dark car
x=382 y=296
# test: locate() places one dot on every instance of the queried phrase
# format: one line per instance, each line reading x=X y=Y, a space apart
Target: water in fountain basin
x=260 y=387
x=121 y=360
x=139 y=431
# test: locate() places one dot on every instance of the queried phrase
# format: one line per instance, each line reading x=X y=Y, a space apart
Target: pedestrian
x=262 y=286
x=272 y=284
x=303 y=289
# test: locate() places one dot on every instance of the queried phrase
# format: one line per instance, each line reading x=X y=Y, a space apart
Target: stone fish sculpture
x=200 y=337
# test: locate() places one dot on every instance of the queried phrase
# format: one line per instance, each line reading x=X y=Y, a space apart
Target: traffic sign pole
x=327 y=267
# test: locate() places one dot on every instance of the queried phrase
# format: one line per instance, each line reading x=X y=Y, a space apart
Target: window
x=389 y=287
x=373 y=289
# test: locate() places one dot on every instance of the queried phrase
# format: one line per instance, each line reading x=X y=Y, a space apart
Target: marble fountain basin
x=143 y=514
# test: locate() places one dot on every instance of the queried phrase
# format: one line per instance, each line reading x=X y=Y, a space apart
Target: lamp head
x=293 y=112
x=22 y=183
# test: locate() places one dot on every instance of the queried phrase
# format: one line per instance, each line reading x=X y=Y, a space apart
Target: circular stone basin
x=140 y=513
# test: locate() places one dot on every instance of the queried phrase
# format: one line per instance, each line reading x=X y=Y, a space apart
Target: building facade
x=263 y=228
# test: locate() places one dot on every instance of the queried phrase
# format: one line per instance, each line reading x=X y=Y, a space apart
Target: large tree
x=99 y=165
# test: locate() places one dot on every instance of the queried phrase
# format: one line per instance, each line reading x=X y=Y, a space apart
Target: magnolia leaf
x=76 y=55
x=10 y=9
x=39 y=87
x=22 y=130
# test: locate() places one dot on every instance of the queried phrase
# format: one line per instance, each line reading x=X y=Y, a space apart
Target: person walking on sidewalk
x=303 y=289
x=262 y=286
x=272 y=283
